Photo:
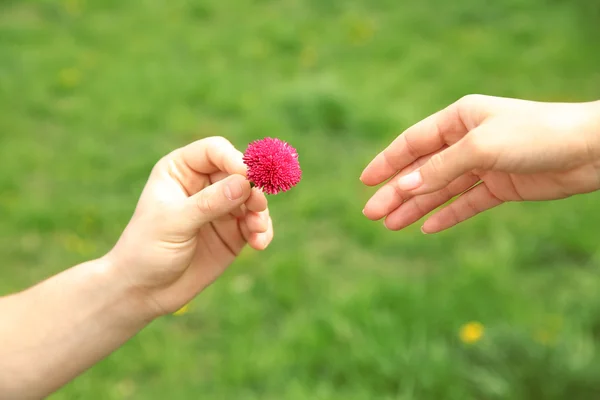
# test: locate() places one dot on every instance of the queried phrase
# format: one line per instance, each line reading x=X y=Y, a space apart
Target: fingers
x=389 y=197
x=447 y=126
x=421 y=139
x=217 y=200
x=257 y=201
x=472 y=202
x=257 y=222
x=444 y=167
x=261 y=241
x=417 y=207
x=209 y=155
x=257 y=240
x=428 y=174
x=192 y=165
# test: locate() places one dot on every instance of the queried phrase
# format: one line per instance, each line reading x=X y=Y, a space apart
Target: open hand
x=488 y=151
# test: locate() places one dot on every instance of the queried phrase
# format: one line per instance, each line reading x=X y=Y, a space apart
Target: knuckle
x=214 y=142
x=479 y=149
x=471 y=205
x=455 y=216
x=436 y=163
x=421 y=208
x=410 y=146
x=491 y=196
x=471 y=99
x=436 y=168
x=164 y=161
x=205 y=205
x=220 y=141
x=472 y=144
x=397 y=191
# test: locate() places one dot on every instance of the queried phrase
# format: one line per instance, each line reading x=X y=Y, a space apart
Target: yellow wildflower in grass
x=471 y=332
x=69 y=77
x=183 y=310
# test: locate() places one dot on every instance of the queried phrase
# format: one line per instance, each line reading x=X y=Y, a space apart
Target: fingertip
x=392 y=224
x=389 y=226
x=258 y=241
x=363 y=176
x=382 y=203
x=366 y=174
x=368 y=179
x=233 y=161
x=241 y=178
x=257 y=201
x=431 y=225
x=241 y=167
x=237 y=187
x=268 y=235
x=257 y=222
x=370 y=214
x=377 y=171
x=370 y=211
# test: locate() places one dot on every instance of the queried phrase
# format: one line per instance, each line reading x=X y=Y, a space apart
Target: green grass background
x=93 y=93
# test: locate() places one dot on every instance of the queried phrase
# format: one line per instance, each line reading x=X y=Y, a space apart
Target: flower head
x=272 y=165
x=183 y=310
x=471 y=332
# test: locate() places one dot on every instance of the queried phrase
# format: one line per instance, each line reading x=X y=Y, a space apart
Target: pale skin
x=487 y=151
x=195 y=215
x=197 y=212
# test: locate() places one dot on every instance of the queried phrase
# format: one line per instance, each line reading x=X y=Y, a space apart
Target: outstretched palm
x=487 y=151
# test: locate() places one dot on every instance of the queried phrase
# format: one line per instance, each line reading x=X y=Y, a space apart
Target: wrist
x=130 y=300
x=592 y=130
x=594 y=138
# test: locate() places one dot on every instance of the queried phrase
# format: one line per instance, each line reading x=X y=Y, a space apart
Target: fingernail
x=410 y=181
x=363 y=211
x=423 y=231
x=233 y=191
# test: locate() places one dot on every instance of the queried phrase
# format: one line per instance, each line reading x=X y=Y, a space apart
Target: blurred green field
x=93 y=93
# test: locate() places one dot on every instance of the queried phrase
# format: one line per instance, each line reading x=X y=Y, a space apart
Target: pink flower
x=272 y=165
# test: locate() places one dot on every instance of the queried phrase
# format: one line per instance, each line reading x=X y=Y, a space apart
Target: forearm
x=54 y=331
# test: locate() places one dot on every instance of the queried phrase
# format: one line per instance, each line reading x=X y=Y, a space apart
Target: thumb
x=442 y=168
x=218 y=199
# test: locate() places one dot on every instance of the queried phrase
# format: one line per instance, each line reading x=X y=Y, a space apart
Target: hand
x=488 y=150
x=194 y=216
